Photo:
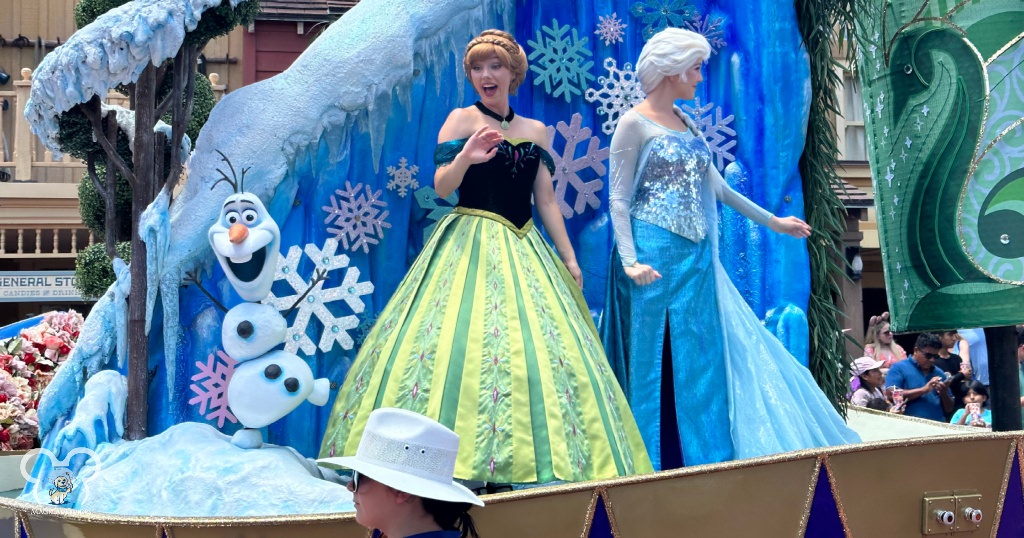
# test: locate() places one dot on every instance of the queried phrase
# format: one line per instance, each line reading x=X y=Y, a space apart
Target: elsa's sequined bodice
x=668 y=189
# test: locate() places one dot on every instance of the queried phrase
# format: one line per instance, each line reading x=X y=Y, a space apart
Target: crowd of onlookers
x=944 y=378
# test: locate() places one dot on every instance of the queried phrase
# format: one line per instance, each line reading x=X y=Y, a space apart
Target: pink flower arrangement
x=27 y=365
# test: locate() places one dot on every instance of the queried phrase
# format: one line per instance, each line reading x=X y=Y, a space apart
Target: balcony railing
x=20 y=243
x=23 y=157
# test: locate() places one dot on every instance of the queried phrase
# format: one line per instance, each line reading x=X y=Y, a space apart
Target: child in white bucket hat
x=402 y=478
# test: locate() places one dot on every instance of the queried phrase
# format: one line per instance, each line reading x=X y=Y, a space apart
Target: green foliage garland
x=94 y=271
x=94 y=210
x=220 y=20
x=824 y=24
x=86 y=11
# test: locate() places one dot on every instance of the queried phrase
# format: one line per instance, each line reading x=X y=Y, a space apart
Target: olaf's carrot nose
x=237 y=233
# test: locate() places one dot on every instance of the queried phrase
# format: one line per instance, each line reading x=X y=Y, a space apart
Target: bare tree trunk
x=138 y=343
x=110 y=196
x=183 y=96
x=105 y=191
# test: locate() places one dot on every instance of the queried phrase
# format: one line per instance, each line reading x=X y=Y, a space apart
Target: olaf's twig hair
x=238 y=183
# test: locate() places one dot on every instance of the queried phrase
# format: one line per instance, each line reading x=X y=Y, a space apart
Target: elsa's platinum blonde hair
x=670 y=52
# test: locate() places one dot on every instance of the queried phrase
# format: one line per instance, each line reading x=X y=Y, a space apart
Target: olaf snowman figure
x=267 y=384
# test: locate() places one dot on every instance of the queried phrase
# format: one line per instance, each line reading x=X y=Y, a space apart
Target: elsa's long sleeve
x=627 y=143
x=737 y=201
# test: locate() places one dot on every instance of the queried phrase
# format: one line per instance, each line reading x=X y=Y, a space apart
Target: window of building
x=850 y=133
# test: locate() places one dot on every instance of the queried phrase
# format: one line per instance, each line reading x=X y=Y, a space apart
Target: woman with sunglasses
x=879 y=343
x=402 y=480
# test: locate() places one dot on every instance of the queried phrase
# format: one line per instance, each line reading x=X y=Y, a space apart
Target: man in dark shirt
x=959 y=372
x=924 y=390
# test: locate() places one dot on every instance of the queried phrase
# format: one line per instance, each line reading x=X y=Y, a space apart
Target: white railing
x=44 y=242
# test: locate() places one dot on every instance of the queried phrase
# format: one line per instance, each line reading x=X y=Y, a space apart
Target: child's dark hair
x=452 y=516
x=978 y=388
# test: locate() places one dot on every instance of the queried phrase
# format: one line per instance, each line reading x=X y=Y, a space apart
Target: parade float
x=330 y=163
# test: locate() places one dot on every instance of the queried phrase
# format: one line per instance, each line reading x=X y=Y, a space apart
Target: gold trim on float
x=600 y=494
x=22 y=525
x=1008 y=468
x=805 y=517
x=1003 y=49
x=999 y=137
x=520 y=232
x=836 y=498
x=956 y=8
x=175 y=527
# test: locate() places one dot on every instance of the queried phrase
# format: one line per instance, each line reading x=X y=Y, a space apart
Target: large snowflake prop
x=610 y=29
x=403 y=177
x=619 y=92
x=427 y=198
x=656 y=15
x=211 y=388
x=716 y=130
x=335 y=328
x=710 y=27
x=560 y=61
x=568 y=166
x=359 y=216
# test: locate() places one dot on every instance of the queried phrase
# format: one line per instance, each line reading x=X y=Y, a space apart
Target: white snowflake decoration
x=403 y=177
x=358 y=216
x=568 y=166
x=708 y=26
x=610 y=28
x=715 y=130
x=211 y=388
x=619 y=92
x=560 y=61
x=335 y=328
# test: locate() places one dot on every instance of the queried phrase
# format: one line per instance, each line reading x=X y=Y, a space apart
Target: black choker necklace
x=492 y=114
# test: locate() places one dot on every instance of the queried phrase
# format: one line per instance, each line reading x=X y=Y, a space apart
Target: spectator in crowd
x=975 y=411
x=878 y=342
x=402 y=478
x=974 y=350
x=958 y=371
x=925 y=393
x=869 y=394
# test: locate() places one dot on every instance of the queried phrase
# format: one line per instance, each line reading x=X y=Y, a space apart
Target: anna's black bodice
x=502 y=185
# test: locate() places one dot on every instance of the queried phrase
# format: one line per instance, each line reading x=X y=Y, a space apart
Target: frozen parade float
x=332 y=151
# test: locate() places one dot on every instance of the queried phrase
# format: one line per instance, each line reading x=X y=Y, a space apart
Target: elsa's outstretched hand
x=790 y=226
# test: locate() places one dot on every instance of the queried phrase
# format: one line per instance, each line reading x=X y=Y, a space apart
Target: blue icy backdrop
x=340 y=148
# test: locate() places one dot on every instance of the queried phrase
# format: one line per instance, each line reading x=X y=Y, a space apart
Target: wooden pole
x=1004 y=388
x=136 y=416
x=23 y=141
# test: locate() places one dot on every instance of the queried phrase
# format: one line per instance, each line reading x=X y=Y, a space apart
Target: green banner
x=943 y=88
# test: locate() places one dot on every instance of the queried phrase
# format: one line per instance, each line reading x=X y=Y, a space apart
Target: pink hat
x=865 y=364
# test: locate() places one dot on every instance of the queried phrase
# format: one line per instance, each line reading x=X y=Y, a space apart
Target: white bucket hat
x=409 y=452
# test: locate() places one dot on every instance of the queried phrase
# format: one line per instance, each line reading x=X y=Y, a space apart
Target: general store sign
x=38 y=286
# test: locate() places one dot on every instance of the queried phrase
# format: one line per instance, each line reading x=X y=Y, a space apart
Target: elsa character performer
x=488 y=333
x=706 y=381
